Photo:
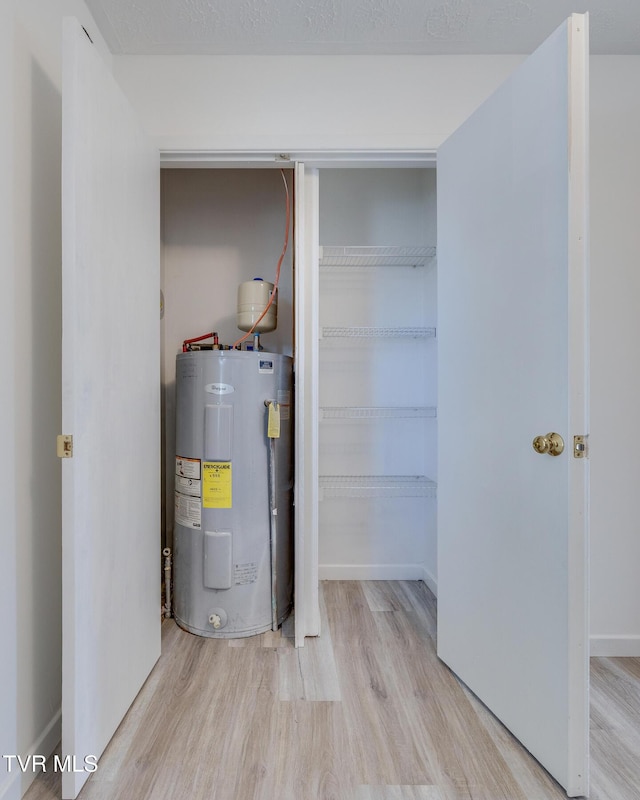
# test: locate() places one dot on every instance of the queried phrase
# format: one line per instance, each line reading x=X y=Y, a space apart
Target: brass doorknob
x=552 y=443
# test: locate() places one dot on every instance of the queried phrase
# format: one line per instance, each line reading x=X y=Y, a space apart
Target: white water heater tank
x=228 y=474
x=253 y=298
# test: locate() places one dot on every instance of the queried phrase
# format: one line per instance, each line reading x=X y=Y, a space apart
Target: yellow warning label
x=273 y=424
x=216 y=484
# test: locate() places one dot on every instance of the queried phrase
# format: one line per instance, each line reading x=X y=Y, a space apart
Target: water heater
x=233 y=532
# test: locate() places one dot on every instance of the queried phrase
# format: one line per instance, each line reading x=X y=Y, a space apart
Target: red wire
x=196 y=339
x=281 y=259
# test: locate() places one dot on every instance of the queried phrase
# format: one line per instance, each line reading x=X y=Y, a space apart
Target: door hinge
x=65 y=446
x=580 y=449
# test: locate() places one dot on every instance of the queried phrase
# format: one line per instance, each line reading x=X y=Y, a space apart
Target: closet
x=219 y=227
x=377 y=374
x=377 y=343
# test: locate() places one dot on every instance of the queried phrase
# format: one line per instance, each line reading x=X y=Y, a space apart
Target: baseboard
x=11 y=788
x=615 y=646
x=371 y=572
x=430 y=581
x=378 y=572
x=18 y=781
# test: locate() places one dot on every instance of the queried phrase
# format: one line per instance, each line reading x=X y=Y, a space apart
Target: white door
x=111 y=405
x=512 y=257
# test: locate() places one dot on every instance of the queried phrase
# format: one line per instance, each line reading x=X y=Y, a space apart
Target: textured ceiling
x=356 y=26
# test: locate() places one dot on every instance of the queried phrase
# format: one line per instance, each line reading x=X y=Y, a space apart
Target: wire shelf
x=370 y=412
x=376 y=486
x=360 y=256
x=377 y=333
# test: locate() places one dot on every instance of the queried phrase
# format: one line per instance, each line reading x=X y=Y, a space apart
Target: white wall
x=296 y=102
x=30 y=320
x=368 y=102
x=8 y=661
x=615 y=355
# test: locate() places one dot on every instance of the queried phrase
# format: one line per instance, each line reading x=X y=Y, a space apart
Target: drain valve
x=218 y=618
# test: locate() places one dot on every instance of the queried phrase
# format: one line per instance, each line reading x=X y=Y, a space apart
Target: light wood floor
x=365 y=712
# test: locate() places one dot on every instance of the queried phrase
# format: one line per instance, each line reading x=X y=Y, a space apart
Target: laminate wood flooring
x=364 y=712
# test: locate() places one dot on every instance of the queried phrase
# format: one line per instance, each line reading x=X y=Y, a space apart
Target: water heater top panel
x=193 y=362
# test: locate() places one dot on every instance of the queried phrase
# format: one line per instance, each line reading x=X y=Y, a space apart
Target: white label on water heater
x=246 y=573
x=219 y=388
x=188 y=511
x=188 y=467
x=265 y=366
x=284 y=401
x=189 y=486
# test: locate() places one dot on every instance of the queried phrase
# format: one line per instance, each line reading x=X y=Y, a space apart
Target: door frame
x=305 y=165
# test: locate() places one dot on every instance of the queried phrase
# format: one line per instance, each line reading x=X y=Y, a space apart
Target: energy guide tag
x=273 y=426
x=216 y=484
